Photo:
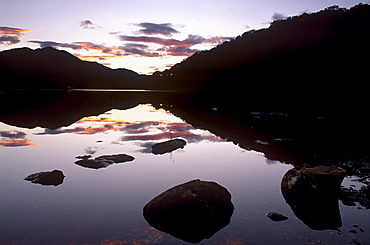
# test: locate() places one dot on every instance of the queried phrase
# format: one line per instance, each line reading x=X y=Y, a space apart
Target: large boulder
x=54 y=177
x=191 y=211
x=312 y=193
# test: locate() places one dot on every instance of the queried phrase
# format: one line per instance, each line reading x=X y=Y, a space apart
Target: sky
x=141 y=35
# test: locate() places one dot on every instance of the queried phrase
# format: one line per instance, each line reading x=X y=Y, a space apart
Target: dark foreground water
x=104 y=206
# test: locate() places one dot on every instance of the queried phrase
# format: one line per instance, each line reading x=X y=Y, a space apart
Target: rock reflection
x=54 y=177
x=102 y=161
x=168 y=146
x=312 y=193
x=192 y=211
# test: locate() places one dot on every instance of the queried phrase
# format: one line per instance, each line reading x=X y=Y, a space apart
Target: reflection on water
x=105 y=206
x=313 y=194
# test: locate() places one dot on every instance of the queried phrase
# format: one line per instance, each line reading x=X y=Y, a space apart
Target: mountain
x=311 y=61
x=316 y=59
x=51 y=68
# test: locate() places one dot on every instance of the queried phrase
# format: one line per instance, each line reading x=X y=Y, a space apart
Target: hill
x=316 y=59
x=25 y=68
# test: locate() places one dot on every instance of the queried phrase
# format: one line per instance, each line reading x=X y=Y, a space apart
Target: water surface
x=104 y=206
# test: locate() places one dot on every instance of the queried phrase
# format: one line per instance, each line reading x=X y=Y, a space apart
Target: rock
x=276 y=216
x=312 y=193
x=103 y=161
x=168 y=146
x=191 y=211
x=319 y=179
x=54 y=177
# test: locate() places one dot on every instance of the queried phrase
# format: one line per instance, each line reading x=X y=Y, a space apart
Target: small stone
x=54 y=177
x=168 y=146
x=276 y=216
x=356 y=241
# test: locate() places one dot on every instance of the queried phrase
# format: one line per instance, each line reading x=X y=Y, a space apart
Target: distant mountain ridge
x=51 y=68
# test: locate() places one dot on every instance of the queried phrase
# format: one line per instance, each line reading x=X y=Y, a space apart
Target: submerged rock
x=168 y=146
x=191 y=211
x=103 y=161
x=312 y=193
x=276 y=216
x=54 y=177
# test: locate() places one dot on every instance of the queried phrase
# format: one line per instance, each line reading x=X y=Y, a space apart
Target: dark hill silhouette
x=52 y=68
x=309 y=61
x=313 y=60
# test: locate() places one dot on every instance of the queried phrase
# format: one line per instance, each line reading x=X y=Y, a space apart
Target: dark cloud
x=153 y=29
x=61 y=131
x=278 y=16
x=44 y=44
x=8 y=40
x=140 y=127
x=179 y=51
x=13 y=134
x=138 y=49
x=91 y=150
x=87 y=24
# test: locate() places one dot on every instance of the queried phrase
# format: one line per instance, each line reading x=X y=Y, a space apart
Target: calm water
x=104 y=206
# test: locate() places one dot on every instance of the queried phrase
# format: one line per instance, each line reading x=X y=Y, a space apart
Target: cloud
x=61 y=131
x=92 y=46
x=14 y=138
x=87 y=24
x=139 y=50
x=8 y=40
x=16 y=143
x=13 y=134
x=44 y=44
x=12 y=31
x=190 y=41
x=91 y=150
x=153 y=29
x=173 y=47
x=10 y=35
x=277 y=16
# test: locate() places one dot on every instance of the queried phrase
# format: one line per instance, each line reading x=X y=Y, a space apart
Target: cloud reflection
x=14 y=138
x=141 y=133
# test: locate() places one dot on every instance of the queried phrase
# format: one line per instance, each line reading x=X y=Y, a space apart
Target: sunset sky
x=143 y=36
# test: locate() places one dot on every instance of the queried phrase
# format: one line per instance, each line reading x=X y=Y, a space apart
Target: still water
x=105 y=205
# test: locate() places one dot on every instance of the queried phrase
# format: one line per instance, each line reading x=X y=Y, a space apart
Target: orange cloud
x=99 y=129
x=15 y=143
x=12 y=31
x=93 y=46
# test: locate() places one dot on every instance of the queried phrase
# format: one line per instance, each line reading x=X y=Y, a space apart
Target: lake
x=53 y=131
